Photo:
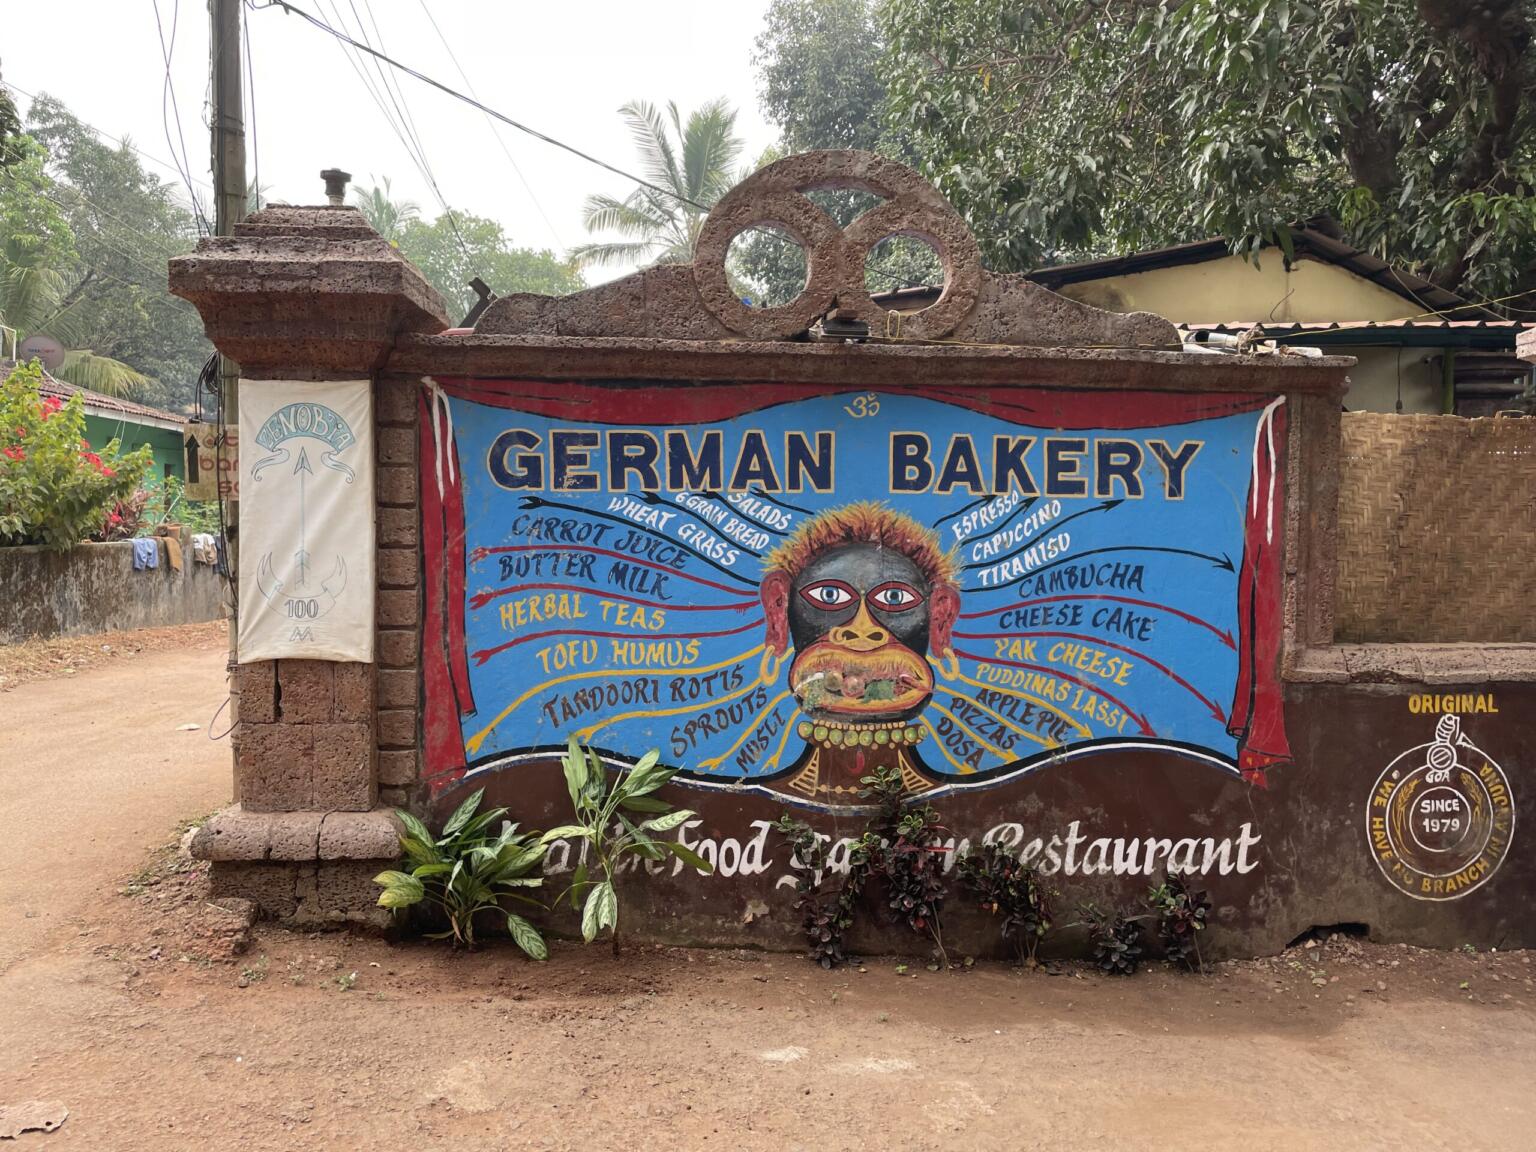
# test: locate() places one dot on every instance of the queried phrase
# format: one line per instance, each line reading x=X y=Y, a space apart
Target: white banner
x=306 y=520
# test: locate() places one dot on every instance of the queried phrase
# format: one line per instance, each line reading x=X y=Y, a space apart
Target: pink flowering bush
x=55 y=490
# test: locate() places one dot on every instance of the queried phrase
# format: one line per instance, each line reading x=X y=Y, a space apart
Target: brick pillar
x=315 y=293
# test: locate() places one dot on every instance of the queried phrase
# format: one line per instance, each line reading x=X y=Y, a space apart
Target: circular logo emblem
x=1440 y=817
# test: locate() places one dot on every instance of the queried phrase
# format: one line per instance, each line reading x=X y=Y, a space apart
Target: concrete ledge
x=297 y=837
x=1411 y=664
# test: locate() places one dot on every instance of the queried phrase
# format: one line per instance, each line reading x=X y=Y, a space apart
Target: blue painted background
x=1208 y=521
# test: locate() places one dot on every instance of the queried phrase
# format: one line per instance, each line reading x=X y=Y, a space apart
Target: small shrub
x=607 y=834
x=467 y=870
x=824 y=917
x=901 y=847
x=1116 y=941
x=1013 y=890
x=896 y=847
x=1181 y=917
x=54 y=490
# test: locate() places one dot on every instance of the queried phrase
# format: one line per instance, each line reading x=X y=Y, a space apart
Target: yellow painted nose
x=862 y=633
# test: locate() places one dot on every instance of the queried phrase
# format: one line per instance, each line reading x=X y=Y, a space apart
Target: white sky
x=563 y=68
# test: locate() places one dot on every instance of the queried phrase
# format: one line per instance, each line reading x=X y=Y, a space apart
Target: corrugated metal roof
x=1272 y=327
x=1306 y=241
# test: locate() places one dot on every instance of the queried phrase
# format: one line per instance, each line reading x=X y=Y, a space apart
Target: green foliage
x=112 y=304
x=693 y=162
x=389 y=216
x=1008 y=888
x=470 y=868
x=54 y=490
x=897 y=848
x=818 y=70
x=817 y=63
x=1181 y=917
x=615 y=820
x=169 y=505
x=456 y=247
x=1062 y=129
x=1116 y=940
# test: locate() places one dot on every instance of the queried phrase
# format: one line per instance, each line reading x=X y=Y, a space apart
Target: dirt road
x=93 y=773
x=116 y=1006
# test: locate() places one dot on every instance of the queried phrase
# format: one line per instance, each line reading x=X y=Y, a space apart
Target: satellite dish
x=44 y=348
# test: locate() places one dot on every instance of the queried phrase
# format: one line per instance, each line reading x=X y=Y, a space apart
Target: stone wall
x=1315 y=833
x=94 y=588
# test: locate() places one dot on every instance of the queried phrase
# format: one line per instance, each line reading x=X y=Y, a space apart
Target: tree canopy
x=85 y=234
x=457 y=247
x=1063 y=129
x=689 y=164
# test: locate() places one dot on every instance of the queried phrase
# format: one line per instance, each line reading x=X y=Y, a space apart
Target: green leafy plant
x=825 y=917
x=900 y=843
x=1181 y=917
x=1013 y=890
x=54 y=490
x=1116 y=940
x=607 y=834
x=897 y=848
x=467 y=870
x=168 y=504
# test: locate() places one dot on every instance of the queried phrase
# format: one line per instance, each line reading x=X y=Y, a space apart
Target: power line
x=118 y=140
x=495 y=131
x=250 y=87
x=473 y=103
x=168 y=92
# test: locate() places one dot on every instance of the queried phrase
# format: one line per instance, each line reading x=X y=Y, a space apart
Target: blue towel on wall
x=146 y=553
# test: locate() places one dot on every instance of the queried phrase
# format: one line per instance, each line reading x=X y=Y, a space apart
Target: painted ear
x=774 y=592
x=943 y=610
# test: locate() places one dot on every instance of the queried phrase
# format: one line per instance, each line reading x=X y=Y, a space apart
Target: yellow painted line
x=963 y=769
x=1035 y=736
x=750 y=728
x=586 y=734
x=992 y=748
x=472 y=745
x=783 y=740
x=1053 y=709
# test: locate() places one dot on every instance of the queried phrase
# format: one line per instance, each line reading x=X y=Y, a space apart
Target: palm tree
x=388 y=216
x=35 y=298
x=693 y=165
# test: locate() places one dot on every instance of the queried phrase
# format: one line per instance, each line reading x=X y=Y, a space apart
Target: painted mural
x=780 y=587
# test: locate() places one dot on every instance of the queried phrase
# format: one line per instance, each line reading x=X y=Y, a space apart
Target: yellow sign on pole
x=213 y=461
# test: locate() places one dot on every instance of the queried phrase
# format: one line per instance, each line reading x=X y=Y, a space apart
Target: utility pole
x=229 y=192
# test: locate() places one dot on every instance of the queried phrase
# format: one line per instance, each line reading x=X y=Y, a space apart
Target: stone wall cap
x=858 y=365
x=1429 y=664
x=233 y=834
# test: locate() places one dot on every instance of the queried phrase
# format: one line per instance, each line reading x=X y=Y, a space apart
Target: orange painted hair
x=864 y=522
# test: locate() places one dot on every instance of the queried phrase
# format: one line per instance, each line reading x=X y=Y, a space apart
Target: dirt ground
x=126 y=1004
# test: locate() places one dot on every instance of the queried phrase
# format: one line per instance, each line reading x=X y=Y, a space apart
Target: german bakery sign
x=781 y=587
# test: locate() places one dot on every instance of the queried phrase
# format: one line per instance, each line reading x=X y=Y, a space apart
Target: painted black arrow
x=1222 y=561
x=1065 y=520
x=656 y=500
x=540 y=502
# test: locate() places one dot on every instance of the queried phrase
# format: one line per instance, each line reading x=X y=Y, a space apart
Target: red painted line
x=481 y=553
x=1146 y=728
x=486 y=653
x=1225 y=637
x=481 y=599
x=1163 y=668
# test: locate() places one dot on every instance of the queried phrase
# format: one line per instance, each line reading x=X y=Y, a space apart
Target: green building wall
x=166 y=443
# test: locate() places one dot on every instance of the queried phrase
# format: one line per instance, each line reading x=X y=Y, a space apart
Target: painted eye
x=895 y=597
x=829 y=594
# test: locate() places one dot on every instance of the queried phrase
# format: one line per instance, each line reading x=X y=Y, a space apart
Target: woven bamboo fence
x=1437 y=530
